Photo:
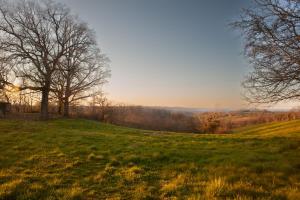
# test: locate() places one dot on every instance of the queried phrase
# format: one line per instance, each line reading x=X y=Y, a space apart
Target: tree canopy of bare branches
x=82 y=71
x=272 y=43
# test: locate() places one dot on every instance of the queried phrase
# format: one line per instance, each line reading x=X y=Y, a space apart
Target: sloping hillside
x=79 y=159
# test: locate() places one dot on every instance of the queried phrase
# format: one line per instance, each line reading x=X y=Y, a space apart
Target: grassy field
x=78 y=159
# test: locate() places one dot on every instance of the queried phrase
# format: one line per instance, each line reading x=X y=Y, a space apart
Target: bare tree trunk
x=45 y=102
x=66 y=99
x=60 y=105
x=66 y=107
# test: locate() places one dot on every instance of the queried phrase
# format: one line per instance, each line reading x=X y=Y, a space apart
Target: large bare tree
x=35 y=34
x=81 y=70
x=271 y=31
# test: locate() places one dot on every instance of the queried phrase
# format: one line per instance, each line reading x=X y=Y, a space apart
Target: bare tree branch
x=272 y=43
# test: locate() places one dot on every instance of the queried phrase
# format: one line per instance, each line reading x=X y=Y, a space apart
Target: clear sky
x=169 y=52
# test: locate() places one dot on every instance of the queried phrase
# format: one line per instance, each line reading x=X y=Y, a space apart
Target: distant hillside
x=190 y=110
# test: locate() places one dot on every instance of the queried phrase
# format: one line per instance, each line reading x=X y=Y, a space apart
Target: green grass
x=79 y=159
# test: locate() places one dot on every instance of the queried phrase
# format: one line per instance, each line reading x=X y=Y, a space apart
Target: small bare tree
x=100 y=106
x=272 y=43
x=35 y=34
x=8 y=90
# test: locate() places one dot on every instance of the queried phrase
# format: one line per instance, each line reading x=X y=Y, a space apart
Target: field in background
x=80 y=159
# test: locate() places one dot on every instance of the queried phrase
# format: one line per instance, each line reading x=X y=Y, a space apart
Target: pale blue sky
x=169 y=52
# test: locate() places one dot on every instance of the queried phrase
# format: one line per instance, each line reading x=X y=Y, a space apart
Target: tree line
x=46 y=49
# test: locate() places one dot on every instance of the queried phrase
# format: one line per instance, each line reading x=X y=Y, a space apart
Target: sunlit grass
x=79 y=159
